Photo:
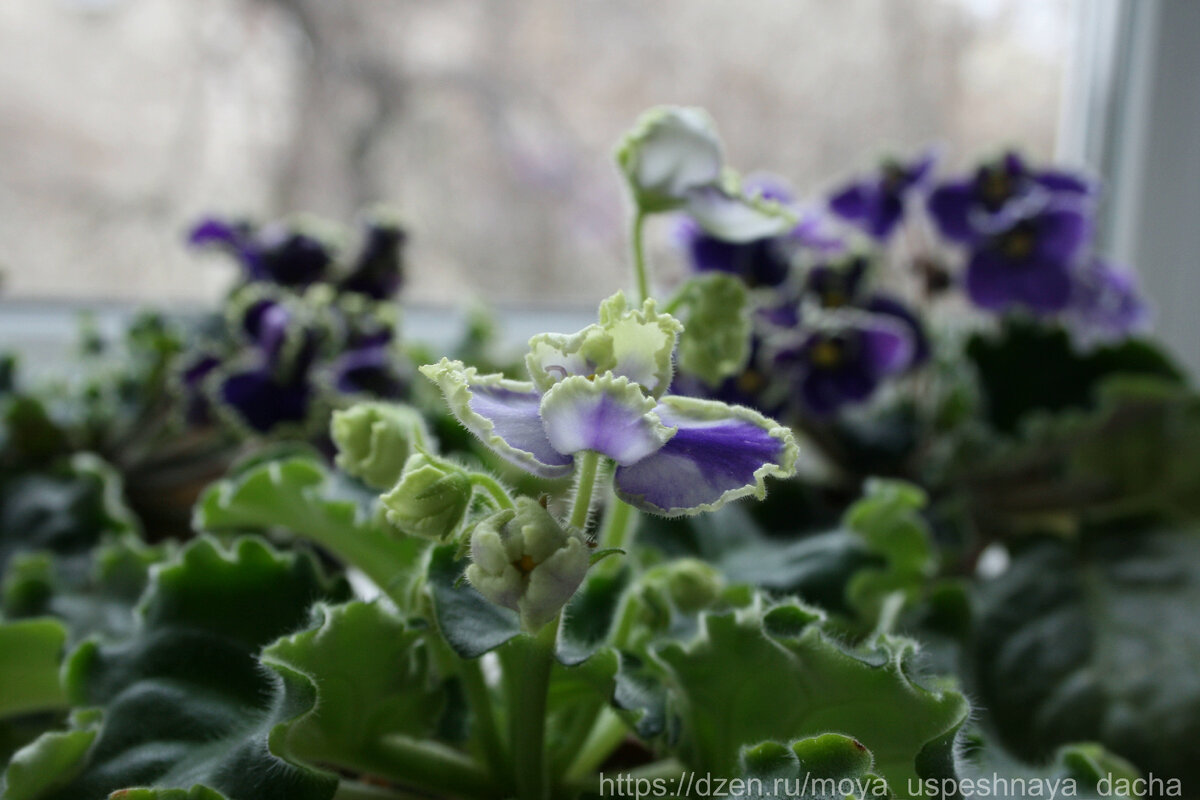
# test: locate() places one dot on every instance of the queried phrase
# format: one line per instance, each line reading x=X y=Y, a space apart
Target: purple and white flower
x=603 y=390
x=987 y=201
x=1029 y=264
x=843 y=360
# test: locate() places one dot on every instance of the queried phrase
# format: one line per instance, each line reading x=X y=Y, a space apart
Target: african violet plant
x=569 y=603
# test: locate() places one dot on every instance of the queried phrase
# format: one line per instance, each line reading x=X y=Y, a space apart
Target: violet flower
x=1029 y=264
x=970 y=207
x=842 y=284
x=378 y=271
x=367 y=366
x=276 y=389
x=845 y=363
x=602 y=390
x=274 y=253
x=876 y=203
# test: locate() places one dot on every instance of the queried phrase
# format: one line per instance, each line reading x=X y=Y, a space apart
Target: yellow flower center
x=525 y=564
x=826 y=353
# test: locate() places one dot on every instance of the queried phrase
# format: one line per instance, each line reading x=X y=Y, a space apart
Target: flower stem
x=640 y=270
x=620 y=524
x=587 y=467
x=493 y=488
x=607 y=734
x=527 y=660
x=480 y=699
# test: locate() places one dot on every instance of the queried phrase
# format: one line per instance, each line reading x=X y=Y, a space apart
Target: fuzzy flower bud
x=524 y=560
x=375 y=439
x=430 y=500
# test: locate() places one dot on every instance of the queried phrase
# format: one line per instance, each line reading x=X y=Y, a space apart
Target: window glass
x=489 y=124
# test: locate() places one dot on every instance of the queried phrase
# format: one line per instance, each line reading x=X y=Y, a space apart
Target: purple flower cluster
x=287 y=255
x=824 y=338
x=303 y=331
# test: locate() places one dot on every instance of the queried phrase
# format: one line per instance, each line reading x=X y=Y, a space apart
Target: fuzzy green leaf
x=816 y=768
x=815 y=687
x=373 y=677
x=1097 y=643
x=184 y=699
x=301 y=495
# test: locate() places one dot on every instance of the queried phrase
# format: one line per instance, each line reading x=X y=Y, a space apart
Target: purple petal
x=262 y=402
x=1064 y=182
x=853 y=202
x=367 y=370
x=950 y=206
x=502 y=413
x=215 y=231
x=886 y=216
x=886 y=349
x=996 y=283
x=883 y=304
x=608 y=415
x=718 y=453
x=1062 y=231
x=514 y=418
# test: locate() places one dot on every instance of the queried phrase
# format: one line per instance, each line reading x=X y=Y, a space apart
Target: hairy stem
x=493 y=488
x=527 y=660
x=587 y=467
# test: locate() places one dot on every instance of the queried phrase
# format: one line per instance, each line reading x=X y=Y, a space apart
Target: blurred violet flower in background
x=845 y=363
x=1029 y=264
x=274 y=252
x=996 y=193
x=277 y=388
x=876 y=202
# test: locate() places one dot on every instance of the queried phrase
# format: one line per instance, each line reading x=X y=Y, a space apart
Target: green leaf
x=888 y=521
x=471 y=624
x=816 y=768
x=373 y=677
x=588 y=617
x=1097 y=642
x=772 y=673
x=816 y=567
x=1066 y=379
x=66 y=510
x=715 y=342
x=184 y=699
x=93 y=596
x=301 y=495
x=30 y=653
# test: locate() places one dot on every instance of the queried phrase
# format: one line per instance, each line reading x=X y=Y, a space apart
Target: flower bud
x=692 y=584
x=430 y=500
x=524 y=560
x=669 y=153
x=375 y=439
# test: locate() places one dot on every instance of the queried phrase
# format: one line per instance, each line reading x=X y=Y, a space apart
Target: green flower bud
x=375 y=439
x=670 y=152
x=692 y=584
x=524 y=560
x=430 y=500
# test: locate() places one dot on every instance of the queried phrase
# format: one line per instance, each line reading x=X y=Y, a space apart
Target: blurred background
x=489 y=125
